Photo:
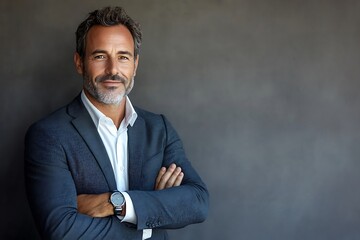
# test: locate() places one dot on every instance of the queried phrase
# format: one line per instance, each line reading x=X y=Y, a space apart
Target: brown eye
x=99 y=57
x=123 y=58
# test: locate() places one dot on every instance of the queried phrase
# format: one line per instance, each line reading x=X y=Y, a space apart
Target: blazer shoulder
x=51 y=119
x=148 y=116
x=55 y=119
x=154 y=123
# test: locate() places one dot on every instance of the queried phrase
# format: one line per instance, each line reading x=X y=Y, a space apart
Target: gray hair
x=108 y=16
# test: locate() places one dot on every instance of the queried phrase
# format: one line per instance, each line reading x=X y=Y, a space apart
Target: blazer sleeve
x=173 y=207
x=52 y=194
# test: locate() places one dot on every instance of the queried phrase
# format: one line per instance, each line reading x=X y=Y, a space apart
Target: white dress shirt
x=116 y=141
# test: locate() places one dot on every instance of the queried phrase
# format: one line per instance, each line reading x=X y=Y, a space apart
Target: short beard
x=110 y=97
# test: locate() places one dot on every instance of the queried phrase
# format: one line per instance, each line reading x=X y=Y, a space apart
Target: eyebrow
x=119 y=52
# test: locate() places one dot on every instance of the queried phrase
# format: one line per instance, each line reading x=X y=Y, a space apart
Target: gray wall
x=263 y=93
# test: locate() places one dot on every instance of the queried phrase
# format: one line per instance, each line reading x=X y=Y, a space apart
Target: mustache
x=116 y=77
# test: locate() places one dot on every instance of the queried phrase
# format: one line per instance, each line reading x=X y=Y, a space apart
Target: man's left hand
x=169 y=177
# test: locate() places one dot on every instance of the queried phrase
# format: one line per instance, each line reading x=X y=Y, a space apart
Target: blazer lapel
x=86 y=128
x=136 y=153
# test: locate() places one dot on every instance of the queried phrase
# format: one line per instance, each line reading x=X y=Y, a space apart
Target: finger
x=179 y=179
x=165 y=177
x=159 y=176
x=170 y=182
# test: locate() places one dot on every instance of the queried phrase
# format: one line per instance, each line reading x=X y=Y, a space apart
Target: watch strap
x=118 y=210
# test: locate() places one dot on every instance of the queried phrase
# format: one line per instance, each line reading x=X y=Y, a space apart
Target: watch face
x=117 y=199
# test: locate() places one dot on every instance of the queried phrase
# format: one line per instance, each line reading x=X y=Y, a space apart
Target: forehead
x=106 y=38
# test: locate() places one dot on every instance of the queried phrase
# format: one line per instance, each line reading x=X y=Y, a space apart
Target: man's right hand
x=170 y=177
x=95 y=205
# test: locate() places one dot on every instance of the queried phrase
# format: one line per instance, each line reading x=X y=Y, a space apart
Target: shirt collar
x=96 y=115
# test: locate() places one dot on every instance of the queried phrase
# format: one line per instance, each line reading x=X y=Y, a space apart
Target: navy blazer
x=65 y=156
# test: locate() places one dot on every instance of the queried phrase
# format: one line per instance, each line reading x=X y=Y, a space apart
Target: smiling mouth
x=112 y=83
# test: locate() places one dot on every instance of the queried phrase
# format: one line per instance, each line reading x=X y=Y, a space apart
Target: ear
x=136 y=64
x=78 y=63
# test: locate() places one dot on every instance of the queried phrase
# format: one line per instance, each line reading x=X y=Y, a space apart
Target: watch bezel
x=114 y=201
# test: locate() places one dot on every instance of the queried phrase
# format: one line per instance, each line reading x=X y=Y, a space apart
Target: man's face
x=109 y=64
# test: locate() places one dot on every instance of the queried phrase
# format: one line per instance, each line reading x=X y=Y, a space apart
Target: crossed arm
x=97 y=205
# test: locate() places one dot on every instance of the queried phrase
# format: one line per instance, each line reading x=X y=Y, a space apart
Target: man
x=100 y=168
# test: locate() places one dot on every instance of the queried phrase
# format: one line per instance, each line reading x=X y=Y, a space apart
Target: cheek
x=95 y=69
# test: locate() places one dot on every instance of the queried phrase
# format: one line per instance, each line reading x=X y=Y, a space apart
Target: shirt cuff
x=130 y=215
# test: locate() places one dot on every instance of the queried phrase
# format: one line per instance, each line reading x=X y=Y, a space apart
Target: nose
x=111 y=67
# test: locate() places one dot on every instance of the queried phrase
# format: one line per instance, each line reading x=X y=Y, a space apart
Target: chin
x=111 y=100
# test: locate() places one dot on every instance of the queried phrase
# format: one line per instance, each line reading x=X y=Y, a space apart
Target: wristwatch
x=118 y=201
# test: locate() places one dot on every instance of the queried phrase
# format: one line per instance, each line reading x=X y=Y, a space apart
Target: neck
x=116 y=112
